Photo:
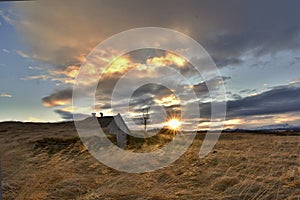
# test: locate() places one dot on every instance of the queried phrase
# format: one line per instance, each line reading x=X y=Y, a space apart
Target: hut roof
x=105 y=121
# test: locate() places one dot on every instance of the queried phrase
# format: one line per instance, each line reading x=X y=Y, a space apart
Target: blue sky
x=25 y=102
x=255 y=45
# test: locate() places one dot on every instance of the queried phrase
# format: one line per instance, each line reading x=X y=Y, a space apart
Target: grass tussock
x=224 y=182
x=55 y=145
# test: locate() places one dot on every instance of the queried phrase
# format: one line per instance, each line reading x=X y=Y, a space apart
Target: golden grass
x=47 y=161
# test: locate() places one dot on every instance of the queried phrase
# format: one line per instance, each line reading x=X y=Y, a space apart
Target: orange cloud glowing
x=169 y=59
x=56 y=103
x=120 y=64
x=168 y=100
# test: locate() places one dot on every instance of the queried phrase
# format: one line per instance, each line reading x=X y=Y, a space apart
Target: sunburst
x=173 y=123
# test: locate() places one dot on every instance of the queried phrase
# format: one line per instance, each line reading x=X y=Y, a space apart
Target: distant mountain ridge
x=267 y=128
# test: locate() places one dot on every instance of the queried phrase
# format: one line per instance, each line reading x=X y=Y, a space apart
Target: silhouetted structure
x=114 y=125
x=145 y=118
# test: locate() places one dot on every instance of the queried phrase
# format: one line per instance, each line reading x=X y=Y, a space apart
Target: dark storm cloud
x=278 y=100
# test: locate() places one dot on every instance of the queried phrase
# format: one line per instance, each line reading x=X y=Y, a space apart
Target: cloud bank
x=231 y=31
x=226 y=29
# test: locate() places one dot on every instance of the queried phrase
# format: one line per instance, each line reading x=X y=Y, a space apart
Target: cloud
x=236 y=27
x=152 y=94
x=227 y=30
x=66 y=76
x=59 y=98
x=23 y=54
x=141 y=67
x=226 y=61
x=168 y=59
x=5 y=51
x=8 y=16
x=259 y=121
x=5 y=95
x=69 y=115
x=146 y=95
x=279 y=100
x=202 y=90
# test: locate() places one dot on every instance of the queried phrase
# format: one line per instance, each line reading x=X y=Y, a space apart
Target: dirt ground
x=48 y=161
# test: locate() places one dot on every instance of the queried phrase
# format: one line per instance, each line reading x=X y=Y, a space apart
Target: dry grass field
x=48 y=161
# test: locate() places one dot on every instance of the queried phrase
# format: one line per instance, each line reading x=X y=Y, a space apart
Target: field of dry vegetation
x=48 y=161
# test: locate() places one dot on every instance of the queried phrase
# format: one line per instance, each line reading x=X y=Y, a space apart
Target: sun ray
x=173 y=124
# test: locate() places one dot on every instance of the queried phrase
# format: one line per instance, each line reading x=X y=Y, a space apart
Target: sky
x=254 y=44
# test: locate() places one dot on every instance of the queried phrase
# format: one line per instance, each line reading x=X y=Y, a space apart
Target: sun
x=174 y=124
